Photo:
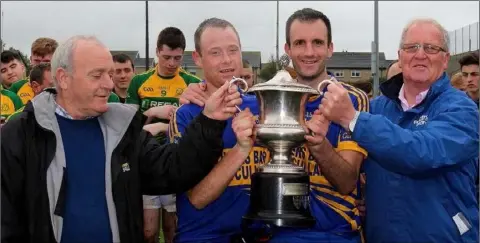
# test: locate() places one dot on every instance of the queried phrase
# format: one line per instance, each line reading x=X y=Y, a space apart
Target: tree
x=268 y=70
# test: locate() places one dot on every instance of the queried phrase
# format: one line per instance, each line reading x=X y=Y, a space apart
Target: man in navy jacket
x=422 y=141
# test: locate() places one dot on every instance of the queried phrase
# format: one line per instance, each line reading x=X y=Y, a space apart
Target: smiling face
x=309 y=48
x=221 y=56
x=423 y=58
x=90 y=84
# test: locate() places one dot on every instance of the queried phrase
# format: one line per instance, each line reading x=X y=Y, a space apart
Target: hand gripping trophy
x=279 y=193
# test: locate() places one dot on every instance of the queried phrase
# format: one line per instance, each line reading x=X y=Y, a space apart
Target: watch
x=353 y=122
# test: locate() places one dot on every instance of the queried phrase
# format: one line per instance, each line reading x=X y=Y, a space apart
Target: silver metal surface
x=295 y=189
x=282 y=102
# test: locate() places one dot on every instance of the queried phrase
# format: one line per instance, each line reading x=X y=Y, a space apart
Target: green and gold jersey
x=149 y=89
x=23 y=89
x=113 y=98
x=10 y=102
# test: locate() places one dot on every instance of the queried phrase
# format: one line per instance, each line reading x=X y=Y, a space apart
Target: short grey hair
x=445 y=37
x=63 y=55
x=213 y=23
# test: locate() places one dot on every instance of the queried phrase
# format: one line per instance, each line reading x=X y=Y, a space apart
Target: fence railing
x=464 y=39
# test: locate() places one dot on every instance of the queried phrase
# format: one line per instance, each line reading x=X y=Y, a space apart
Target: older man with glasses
x=422 y=142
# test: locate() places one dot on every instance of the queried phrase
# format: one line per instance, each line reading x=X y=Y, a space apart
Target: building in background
x=354 y=67
x=138 y=62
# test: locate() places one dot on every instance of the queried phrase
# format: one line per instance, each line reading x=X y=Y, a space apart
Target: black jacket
x=28 y=149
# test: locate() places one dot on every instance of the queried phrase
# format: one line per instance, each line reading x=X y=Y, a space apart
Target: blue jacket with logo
x=422 y=166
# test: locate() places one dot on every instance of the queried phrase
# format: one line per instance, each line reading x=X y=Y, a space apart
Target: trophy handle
x=324 y=84
x=243 y=90
x=239 y=80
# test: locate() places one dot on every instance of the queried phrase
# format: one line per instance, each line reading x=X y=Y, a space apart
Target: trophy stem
x=282 y=156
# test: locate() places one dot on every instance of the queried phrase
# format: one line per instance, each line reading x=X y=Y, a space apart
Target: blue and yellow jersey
x=334 y=213
x=222 y=218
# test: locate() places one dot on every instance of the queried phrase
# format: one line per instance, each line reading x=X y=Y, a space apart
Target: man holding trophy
x=329 y=157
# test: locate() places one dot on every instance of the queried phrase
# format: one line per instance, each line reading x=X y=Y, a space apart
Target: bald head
x=393 y=70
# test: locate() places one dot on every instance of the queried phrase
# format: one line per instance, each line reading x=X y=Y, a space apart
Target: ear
x=157 y=51
x=445 y=62
x=31 y=58
x=62 y=78
x=34 y=86
x=197 y=58
x=330 y=50
x=286 y=47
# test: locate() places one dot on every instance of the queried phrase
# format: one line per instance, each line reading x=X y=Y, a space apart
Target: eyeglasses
x=428 y=48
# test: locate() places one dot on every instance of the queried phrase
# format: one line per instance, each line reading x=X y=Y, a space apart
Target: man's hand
x=243 y=127
x=223 y=103
x=162 y=112
x=156 y=128
x=318 y=125
x=194 y=93
x=337 y=106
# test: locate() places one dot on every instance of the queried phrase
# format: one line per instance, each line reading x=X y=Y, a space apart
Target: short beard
x=310 y=78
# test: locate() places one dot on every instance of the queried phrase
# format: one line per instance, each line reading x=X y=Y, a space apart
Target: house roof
x=354 y=60
x=140 y=62
x=132 y=54
x=253 y=57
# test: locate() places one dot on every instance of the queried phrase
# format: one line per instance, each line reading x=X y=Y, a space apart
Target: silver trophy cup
x=279 y=193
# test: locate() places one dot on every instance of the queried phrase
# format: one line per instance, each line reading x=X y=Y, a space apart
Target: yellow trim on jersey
x=338 y=208
x=362 y=98
x=244 y=173
x=25 y=93
x=350 y=145
x=347 y=198
x=173 y=127
x=8 y=107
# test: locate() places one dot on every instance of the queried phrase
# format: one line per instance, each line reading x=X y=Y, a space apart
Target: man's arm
x=341 y=166
x=14 y=221
x=175 y=168
x=449 y=138
x=214 y=184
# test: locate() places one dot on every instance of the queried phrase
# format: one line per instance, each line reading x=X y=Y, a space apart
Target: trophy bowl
x=279 y=193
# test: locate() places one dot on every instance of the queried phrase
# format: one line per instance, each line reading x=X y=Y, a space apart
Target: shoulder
x=188 y=77
x=18 y=84
x=188 y=111
x=10 y=94
x=142 y=77
x=358 y=96
x=453 y=99
x=15 y=114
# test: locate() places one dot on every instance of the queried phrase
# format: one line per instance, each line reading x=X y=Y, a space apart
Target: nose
x=108 y=83
x=420 y=54
x=226 y=58
x=309 y=50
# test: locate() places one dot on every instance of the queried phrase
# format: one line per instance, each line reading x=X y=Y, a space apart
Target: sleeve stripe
x=362 y=98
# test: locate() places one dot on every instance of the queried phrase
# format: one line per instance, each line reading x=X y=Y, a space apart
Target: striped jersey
x=221 y=219
x=334 y=213
x=10 y=102
x=23 y=89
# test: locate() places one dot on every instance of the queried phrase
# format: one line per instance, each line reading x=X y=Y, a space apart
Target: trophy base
x=280 y=199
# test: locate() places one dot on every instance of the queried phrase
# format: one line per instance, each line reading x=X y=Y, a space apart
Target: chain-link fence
x=464 y=39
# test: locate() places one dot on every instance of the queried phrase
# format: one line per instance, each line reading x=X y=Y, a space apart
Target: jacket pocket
x=460 y=222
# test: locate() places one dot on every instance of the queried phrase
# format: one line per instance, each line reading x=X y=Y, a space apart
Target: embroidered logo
x=421 y=121
x=125 y=167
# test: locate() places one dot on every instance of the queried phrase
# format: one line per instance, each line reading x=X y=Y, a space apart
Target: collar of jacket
x=391 y=88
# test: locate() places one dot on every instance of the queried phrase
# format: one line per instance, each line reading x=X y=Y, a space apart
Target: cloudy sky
x=121 y=25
